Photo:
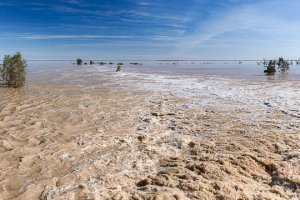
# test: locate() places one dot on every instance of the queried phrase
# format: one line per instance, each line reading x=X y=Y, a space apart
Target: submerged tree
x=13 y=70
x=283 y=65
x=118 y=68
x=135 y=63
x=271 y=69
x=79 y=61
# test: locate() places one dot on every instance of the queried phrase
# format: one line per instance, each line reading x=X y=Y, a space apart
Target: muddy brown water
x=89 y=133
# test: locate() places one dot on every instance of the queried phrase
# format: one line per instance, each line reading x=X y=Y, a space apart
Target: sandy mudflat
x=92 y=134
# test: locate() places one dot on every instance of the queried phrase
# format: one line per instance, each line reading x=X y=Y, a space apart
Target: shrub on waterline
x=283 y=65
x=118 y=68
x=13 y=70
x=135 y=63
x=79 y=61
x=271 y=69
x=92 y=62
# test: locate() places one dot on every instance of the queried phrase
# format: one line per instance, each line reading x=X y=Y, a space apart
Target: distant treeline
x=79 y=61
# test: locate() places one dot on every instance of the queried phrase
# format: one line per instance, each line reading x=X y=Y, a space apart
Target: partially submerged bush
x=111 y=63
x=120 y=64
x=282 y=66
x=13 y=70
x=118 y=68
x=135 y=63
x=79 y=61
x=102 y=63
x=271 y=69
x=92 y=62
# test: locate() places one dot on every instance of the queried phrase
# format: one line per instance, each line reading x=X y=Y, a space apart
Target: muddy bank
x=90 y=136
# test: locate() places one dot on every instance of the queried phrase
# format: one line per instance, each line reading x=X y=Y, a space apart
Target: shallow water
x=73 y=131
x=240 y=82
x=249 y=70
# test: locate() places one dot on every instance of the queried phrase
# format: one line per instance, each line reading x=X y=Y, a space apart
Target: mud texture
x=67 y=138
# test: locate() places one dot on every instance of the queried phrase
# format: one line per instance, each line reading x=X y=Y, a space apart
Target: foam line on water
x=283 y=95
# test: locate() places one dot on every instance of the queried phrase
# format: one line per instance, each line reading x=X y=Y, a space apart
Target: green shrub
x=283 y=65
x=111 y=63
x=13 y=70
x=1 y=72
x=92 y=62
x=120 y=64
x=271 y=69
x=102 y=63
x=79 y=61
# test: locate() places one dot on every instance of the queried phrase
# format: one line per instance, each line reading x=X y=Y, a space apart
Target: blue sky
x=150 y=29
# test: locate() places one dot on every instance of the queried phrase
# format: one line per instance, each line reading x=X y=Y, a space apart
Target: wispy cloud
x=164 y=38
x=77 y=2
x=143 y=3
x=6 y=4
x=185 y=27
x=49 y=37
x=263 y=19
x=120 y=44
x=88 y=37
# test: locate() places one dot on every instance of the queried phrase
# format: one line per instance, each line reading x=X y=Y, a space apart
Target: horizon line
x=216 y=60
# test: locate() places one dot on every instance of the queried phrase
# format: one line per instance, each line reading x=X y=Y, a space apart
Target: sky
x=150 y=29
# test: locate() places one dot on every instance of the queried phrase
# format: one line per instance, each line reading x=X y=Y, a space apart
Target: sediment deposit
x=92 y=134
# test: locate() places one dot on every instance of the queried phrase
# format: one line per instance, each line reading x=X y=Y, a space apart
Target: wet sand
x=89 y=133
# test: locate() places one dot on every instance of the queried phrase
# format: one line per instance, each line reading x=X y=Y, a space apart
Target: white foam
x=283 y=95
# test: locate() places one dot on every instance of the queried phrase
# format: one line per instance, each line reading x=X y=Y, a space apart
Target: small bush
x=283 y=65
x=13 y=70
x=79 y=61
x=118 y=68
x=135 y=63
x=102 y=63
x=111 y=63
x=271 y=69
x=120 y=64
x=92 y=62
x=1 y=73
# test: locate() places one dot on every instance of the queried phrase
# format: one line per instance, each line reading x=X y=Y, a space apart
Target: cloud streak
x=178 y=27
x=89 y=37
x=261 y=19
x=50 y=37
